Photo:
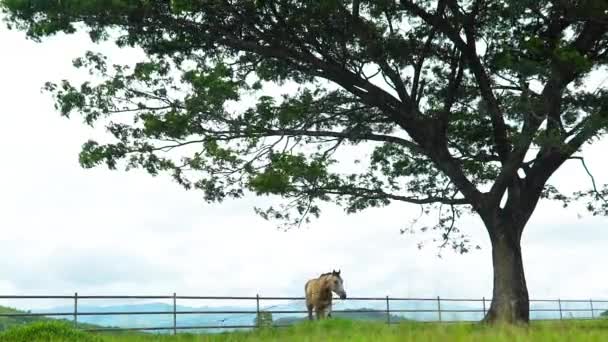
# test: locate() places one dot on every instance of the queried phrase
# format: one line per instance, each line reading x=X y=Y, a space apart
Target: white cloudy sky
x=65 y=229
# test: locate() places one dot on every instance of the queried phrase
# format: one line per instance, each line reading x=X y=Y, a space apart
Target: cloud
x=83 y=266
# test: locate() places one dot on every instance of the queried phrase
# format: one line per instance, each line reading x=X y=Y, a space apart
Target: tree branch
x=499 y=128
x=590 y=176
x=455 y=80
x=552 y=156
x=379 y=194
x=263 y=132
x=562 y=74
x=368 y=92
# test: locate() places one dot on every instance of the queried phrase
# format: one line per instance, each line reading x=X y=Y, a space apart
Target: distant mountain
x=158 y=320
x=219 y=319
x=569 y=310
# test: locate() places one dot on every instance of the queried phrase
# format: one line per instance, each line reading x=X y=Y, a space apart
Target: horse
x=319 y=293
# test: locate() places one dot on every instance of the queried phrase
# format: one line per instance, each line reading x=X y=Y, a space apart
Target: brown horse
x=319 y=293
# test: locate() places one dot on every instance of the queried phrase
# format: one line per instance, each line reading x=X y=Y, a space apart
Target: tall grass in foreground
x=47 y=331
x=341 y=330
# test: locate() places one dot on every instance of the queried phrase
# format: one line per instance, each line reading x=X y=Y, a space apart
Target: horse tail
x=308 y=290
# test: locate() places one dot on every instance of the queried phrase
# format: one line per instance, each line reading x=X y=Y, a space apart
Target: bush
x=47 y=331
x=263 y=319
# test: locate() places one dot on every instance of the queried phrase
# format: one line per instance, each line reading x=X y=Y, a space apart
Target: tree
x=468 y=106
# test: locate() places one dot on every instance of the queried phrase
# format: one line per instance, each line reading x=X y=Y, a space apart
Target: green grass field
x=338 y=330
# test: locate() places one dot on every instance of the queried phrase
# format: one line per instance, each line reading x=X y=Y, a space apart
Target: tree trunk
x=510 y=302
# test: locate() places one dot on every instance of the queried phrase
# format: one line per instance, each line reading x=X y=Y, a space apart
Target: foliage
x=449 y=98
x=263 y=319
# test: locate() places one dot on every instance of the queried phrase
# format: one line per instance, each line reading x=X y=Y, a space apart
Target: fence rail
x=593 y=306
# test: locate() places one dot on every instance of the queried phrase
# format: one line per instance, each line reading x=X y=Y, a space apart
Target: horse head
x=337 y=284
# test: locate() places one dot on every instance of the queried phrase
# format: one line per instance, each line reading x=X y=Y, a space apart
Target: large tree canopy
x=465 y=105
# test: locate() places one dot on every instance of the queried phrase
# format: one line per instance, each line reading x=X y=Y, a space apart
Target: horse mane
x=330 y=273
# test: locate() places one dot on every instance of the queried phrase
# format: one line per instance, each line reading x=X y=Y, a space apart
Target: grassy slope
x=344 y=330
x=47 y=331
x=9 y=322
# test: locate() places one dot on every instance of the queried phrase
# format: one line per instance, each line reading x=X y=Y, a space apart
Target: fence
x=437 y=307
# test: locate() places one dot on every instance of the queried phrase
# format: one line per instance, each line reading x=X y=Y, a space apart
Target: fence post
x=559 y=302
x=388 y=312
x=174 y=314
x=257 y=310
x=75 y=309
x=439 y=308
x=591 y=305
x=483 y=299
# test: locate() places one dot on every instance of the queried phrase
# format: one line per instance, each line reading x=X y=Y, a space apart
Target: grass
x=338 y=330
x=47 y=331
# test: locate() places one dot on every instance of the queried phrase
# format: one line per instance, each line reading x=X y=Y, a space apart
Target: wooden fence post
x=76 y=310
x=439 y=308
x=257 y=310
x=174 y=314
x=388 y=312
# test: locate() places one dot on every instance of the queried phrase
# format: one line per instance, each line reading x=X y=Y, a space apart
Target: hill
x=9 y=322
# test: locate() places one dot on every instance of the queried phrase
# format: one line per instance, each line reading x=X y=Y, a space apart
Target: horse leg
x=309 y=308
x=329 y=310
x=319 y=313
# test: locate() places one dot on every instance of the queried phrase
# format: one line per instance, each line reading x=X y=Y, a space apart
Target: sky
x=65 y=229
